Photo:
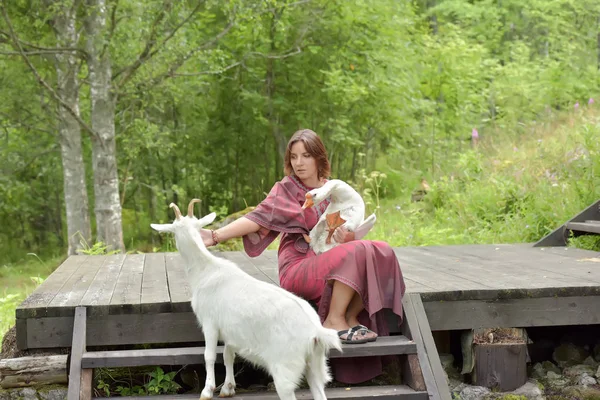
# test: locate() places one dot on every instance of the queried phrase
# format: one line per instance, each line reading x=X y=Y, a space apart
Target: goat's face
x=185 y=228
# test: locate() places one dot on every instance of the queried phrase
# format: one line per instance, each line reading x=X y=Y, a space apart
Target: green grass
x=18 y=281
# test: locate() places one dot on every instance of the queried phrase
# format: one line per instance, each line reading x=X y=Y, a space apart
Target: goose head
x=317 y=195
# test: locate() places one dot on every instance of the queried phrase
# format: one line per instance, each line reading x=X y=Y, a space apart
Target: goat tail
x=328 y=339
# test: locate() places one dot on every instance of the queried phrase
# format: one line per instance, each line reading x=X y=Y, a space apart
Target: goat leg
x=211 y=336
x=228 y=389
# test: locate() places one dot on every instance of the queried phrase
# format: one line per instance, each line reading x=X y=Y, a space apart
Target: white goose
x=346 y=208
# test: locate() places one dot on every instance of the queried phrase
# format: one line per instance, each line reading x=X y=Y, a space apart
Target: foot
x=352 y=336
x=365 y=332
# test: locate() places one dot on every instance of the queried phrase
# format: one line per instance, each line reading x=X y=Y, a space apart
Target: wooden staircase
x=586 y=222
x=421 y=368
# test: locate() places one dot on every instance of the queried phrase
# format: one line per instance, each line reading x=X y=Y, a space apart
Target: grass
x=18 y=281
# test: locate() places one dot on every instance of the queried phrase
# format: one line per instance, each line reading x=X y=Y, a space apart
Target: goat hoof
x=227 y=390
x=206 y=394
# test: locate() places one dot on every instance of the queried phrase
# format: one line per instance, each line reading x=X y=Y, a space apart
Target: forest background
x=111 y=109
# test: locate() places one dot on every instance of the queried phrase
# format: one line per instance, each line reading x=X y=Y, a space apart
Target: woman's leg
x=341 y=296
x=354 y=308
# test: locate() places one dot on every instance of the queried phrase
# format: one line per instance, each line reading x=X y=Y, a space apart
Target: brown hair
x=314 y=146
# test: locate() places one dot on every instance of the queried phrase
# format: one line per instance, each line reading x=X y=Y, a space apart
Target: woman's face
x=303 y=163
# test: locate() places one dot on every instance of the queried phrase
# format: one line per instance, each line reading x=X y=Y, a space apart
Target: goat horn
x=191 y=207
x=177 y=212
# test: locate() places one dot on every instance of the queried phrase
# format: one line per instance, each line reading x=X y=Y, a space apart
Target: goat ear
x=162 y=227
x=207 y=219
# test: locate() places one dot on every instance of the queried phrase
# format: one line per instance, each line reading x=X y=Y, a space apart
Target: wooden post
x=500 y=365
x=76 y=378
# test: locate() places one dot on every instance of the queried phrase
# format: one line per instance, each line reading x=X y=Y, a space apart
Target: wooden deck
x=144 y=298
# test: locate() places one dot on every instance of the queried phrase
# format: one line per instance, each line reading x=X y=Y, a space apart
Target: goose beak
x=309 y=202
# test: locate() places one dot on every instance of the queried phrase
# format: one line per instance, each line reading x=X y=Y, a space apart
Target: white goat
x=261 y=322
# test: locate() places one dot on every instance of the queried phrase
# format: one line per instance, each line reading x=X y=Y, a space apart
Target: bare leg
x=354 y=308
x=341 y=296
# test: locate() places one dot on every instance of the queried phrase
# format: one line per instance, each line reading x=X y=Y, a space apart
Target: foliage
x=124 y=382
x=207 y=95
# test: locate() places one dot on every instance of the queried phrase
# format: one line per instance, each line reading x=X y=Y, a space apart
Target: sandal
x=364 y=331
x=350 y=333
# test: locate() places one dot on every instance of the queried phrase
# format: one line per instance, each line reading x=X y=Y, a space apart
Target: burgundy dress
x=369 y=267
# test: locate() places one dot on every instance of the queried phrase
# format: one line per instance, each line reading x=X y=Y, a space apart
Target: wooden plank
x=245 y=265
x=417 y=267
x=70 y=294
x=430 y=348
x=119 y=329
x=77 y=351
x=97 y=298
x=179 y=286
x=559 y=236
x=85 y=391
x=588 y=227
x=527 y=312
x=127 y=294
x=507 y=268
x=564 y=267
x=385 y=345
x=271 y=269
x=426 y=374
x=155 y=290
x=353 y=393
x=262 y=264
x=35 y=304
x=21 y=332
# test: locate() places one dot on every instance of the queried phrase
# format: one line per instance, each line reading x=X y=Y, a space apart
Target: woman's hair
x=313 y=145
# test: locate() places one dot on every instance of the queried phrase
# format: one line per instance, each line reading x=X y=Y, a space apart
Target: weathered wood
x=85 y=389
x=502 y=366
x=98 y=295
x=35 y=304
x=76 y=286
x=559 y=236
x=355 y=393
x=179 y=287
x=32 y=371
x=155 y=290
x=246 y=265
x=588 y=227
x=116 y=330
x=548 y=311
x=77 y=351
x=430 y=348
x=415 y=369
x=388 y=345
x=127 y=294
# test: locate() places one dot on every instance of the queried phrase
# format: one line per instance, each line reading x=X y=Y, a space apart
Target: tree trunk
x=76 y=198
x=270 y=89
x=31 y=371
x=106 y=181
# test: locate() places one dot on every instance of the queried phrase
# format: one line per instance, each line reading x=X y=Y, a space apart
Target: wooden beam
x=548 y=311
x=430 y=349
x=355 y=393
x=77 y=351
x=385 y=345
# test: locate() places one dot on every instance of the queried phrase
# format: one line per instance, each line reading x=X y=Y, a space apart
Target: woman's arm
x=238 y=228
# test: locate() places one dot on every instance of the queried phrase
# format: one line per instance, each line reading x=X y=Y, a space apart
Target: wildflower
x=590 y=101
x=475 y=134
x=577 y=106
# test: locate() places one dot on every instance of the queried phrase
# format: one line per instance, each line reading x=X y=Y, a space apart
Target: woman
x=351 y=283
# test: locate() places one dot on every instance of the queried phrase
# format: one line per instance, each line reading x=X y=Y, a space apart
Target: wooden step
x=388 y=345
x=355 y=393
x=589 y=226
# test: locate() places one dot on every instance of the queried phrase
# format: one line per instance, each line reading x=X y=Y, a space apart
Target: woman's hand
x=207 y=238
x=342 y=235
